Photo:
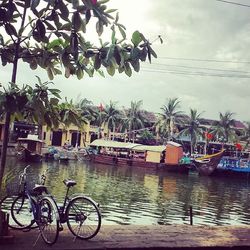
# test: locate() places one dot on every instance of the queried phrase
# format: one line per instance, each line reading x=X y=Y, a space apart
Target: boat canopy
x=113 y=144
x=33 y=138
x=149 y=148
x=127 y=145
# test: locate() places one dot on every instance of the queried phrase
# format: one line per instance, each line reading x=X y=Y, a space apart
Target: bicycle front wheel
x=48 y=220
x=83 y=217
x=21 y=212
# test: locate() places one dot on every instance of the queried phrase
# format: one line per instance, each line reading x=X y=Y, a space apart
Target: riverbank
x=142 y=237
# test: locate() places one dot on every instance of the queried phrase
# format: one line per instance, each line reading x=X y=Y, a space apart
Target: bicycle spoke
x=48 y=221
x=83 y=218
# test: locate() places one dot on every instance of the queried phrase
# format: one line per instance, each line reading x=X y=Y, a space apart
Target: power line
x=229 y=2
x=188 y=73
x=202 y=60
x=203 y=68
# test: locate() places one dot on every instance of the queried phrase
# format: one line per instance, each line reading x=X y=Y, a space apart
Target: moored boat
x=207 y=164
x=131 y=154
x=29 y=149
x=233 y=167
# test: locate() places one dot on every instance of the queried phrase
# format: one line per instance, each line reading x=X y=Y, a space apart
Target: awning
x=113 y=144
x=127 y=145
x=30 y=138
x=149 y=148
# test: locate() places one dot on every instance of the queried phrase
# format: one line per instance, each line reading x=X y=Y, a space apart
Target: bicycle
x=40 y=209
x=6 y=202
x=81 y=213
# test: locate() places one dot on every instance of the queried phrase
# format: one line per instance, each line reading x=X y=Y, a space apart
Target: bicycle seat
x=69 y=183
x=39 y=189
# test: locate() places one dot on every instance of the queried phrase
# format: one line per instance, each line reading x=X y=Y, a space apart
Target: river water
x=136 y=196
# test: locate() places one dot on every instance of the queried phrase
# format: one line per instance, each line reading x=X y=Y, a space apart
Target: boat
x=160 y=157
x=233 y=167
x=62 y=156
x=207 y=164
x=29 y=149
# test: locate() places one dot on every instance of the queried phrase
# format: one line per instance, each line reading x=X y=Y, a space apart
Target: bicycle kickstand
x=74 y=239
x=39 y=234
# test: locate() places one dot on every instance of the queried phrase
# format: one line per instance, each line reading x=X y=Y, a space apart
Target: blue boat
x=233 y=166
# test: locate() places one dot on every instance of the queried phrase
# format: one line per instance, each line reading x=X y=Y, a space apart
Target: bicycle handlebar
x=24 y=173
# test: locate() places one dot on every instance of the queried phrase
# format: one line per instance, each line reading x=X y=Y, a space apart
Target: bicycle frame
x=67 y=199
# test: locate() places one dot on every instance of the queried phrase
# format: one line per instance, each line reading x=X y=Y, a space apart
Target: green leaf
x=136 y=38
x=40 y=28
x=113 y=39
x=152 y=52
x=54 y=43
x=49 y=26
x=64 y=10
x=110 y=11
x=111 y=69
x=79 y=73
x=97 y=63
x=34 y=4
x=136 y=65
x=55 y=92
x=75 y=3
x=10 y=29
x=1 y=40
x=103 y=1
x=99 y=28
x=122 y=32
x=110 y=53
x=117 y=17
x=135 y=53
x=76 y=21
x=50 y=73
x=128 y=70
x=87 y=16
x=33 y=65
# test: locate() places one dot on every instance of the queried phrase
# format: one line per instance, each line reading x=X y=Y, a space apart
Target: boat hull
x=119 y=161
x=27 y=156
x=207 y=164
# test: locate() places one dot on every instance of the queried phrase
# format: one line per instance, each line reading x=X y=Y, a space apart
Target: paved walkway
x=142 y=237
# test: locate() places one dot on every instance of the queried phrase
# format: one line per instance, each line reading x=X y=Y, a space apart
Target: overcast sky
x=204 y=60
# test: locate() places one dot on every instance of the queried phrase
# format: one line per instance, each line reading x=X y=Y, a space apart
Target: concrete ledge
x=142 y=237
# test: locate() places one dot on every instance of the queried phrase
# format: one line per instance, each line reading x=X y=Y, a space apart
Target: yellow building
x=72 y=135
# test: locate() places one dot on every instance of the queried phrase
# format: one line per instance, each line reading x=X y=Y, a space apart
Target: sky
x=204 y=60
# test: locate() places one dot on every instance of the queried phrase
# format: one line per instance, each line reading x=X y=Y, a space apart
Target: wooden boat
x=138 y=155
x=29 y=149
x=207 y=164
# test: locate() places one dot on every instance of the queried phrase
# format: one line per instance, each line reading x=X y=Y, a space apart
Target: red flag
x=238 y=146
x=101 y=108
x=208 y=135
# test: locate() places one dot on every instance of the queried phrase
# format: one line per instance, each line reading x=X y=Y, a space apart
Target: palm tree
x=246 y=136
x=111 y=117
x=134 y=119
x=193 y=129
x=168 y=118
x=70 y=114
x=224 y=127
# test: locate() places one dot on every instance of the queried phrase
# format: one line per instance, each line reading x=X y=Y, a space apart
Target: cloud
x=191 y=29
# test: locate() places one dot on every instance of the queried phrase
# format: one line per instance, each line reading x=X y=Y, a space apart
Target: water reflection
x=137 y=196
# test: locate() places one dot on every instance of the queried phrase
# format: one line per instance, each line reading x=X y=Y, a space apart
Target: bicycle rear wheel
x=22 y=213
x=83 y=217
x=5 y=206
x=48 y=220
